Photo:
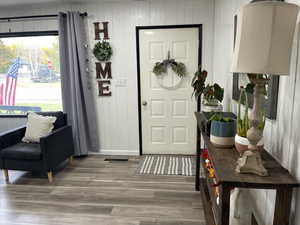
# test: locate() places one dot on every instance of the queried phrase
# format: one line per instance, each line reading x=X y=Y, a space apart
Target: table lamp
x=264 y=39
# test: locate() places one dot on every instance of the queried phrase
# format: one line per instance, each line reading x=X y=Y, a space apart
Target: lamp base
x=251 y=162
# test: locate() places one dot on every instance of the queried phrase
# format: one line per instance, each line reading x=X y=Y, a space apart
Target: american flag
x=9 y=86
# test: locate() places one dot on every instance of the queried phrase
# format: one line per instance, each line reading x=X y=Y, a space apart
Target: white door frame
x=138 y=28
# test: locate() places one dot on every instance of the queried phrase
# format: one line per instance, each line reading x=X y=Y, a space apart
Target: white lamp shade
x=264 y=38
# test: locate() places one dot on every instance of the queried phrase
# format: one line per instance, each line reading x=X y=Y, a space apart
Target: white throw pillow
x=38 y=126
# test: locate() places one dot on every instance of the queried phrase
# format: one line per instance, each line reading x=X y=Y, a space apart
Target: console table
x=224 y=163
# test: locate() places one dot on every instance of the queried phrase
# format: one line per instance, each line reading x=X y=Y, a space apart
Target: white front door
x=168 y=121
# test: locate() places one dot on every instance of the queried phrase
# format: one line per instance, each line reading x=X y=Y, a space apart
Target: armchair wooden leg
x=71 y=160
x=6 y=175
x=50 y=177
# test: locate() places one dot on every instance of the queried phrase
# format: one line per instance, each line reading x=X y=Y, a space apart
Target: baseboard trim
x=115 y=152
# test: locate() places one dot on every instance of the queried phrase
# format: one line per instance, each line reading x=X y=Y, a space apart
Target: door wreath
x=161 y=68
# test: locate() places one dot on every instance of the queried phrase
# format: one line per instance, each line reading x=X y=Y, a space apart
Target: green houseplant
x=198 y=82
x=242 y=124
x=212 y=94
x=222 y=131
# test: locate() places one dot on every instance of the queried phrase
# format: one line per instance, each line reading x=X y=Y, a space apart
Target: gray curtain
x=77 y=95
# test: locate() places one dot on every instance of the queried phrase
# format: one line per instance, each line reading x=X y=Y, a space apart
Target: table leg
x=224 y=203
x=198 y=152
x=283 y=206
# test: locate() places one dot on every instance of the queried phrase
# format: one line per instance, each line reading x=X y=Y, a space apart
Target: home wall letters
x=103 y=69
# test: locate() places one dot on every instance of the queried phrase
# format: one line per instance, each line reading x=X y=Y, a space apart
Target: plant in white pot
x=212 y=94
x=241 y=141
x=212 y=98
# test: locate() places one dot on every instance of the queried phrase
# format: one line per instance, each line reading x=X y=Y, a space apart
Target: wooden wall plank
x=281 y=136
x=118 y=114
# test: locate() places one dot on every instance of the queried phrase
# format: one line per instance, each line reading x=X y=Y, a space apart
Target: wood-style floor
x=97 y=192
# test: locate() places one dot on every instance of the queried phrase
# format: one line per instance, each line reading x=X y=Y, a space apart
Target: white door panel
x=168 y=123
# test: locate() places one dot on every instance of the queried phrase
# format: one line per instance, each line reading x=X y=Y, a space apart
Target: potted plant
x=222 y=131
x=212 y=97
x=198 y=82
x=212 y=94
x=241 y=141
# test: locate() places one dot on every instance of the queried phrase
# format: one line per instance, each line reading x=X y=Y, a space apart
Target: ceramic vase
x=241 y=144
x=222 y=133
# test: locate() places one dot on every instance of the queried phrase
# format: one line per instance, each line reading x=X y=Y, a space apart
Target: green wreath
x=103 y=51
x=178 y=67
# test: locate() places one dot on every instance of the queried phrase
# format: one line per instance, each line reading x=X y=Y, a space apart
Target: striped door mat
x=167 y=165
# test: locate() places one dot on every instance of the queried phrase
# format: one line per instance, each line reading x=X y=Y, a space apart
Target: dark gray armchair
x=44 y=156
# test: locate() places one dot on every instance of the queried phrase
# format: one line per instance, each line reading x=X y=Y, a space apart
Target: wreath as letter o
x=103 y=51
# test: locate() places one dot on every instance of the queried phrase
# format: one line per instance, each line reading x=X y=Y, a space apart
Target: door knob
x=144 y=103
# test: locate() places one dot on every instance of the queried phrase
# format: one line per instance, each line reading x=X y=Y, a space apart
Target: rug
x=168 y=165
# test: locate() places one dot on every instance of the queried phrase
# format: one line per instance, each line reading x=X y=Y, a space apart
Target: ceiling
x=28 y=2
x=24 y=2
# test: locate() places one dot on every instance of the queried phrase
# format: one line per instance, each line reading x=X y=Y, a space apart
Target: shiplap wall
x=281 y=136
x=118 y=115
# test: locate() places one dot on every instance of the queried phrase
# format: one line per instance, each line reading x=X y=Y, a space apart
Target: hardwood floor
x=93 y=191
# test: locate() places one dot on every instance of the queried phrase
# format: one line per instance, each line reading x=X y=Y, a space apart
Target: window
x=29 y=74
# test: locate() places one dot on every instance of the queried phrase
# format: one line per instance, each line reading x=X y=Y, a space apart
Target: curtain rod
x=32 y=17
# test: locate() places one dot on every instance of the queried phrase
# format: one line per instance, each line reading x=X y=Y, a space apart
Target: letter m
x=103 y=73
